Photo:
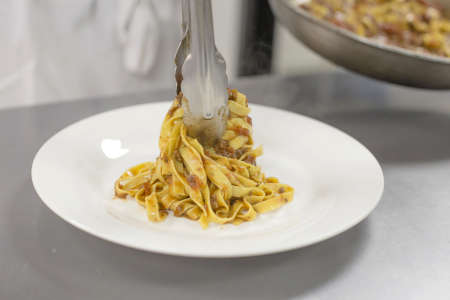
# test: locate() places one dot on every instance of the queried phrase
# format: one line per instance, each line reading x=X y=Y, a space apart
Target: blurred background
x=56 y=50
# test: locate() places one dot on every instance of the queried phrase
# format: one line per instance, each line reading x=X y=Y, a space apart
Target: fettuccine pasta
x=220 y=184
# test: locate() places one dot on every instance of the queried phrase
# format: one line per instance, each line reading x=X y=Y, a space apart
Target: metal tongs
x=201 y=73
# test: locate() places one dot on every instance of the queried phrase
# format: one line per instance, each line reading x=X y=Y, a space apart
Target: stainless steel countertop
x=402 y=251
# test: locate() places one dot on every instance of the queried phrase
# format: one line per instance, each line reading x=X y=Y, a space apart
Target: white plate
x=337 y=183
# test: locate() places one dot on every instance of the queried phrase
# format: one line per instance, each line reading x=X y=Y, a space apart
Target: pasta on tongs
x=206 y=170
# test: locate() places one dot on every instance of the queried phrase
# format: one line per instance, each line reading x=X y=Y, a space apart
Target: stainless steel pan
x=363 y=55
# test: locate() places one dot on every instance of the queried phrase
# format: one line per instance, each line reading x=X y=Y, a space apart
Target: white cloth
x=56 y=50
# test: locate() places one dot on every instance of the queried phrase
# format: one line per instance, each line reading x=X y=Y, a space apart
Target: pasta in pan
x=220 y=183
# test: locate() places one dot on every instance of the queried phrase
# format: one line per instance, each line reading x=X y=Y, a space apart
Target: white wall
x=292 y=57
x=228 y=25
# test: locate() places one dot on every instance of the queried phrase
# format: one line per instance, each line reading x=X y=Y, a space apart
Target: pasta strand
x=220 y=184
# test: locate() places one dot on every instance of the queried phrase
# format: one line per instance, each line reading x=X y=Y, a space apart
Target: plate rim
x=211 y=254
